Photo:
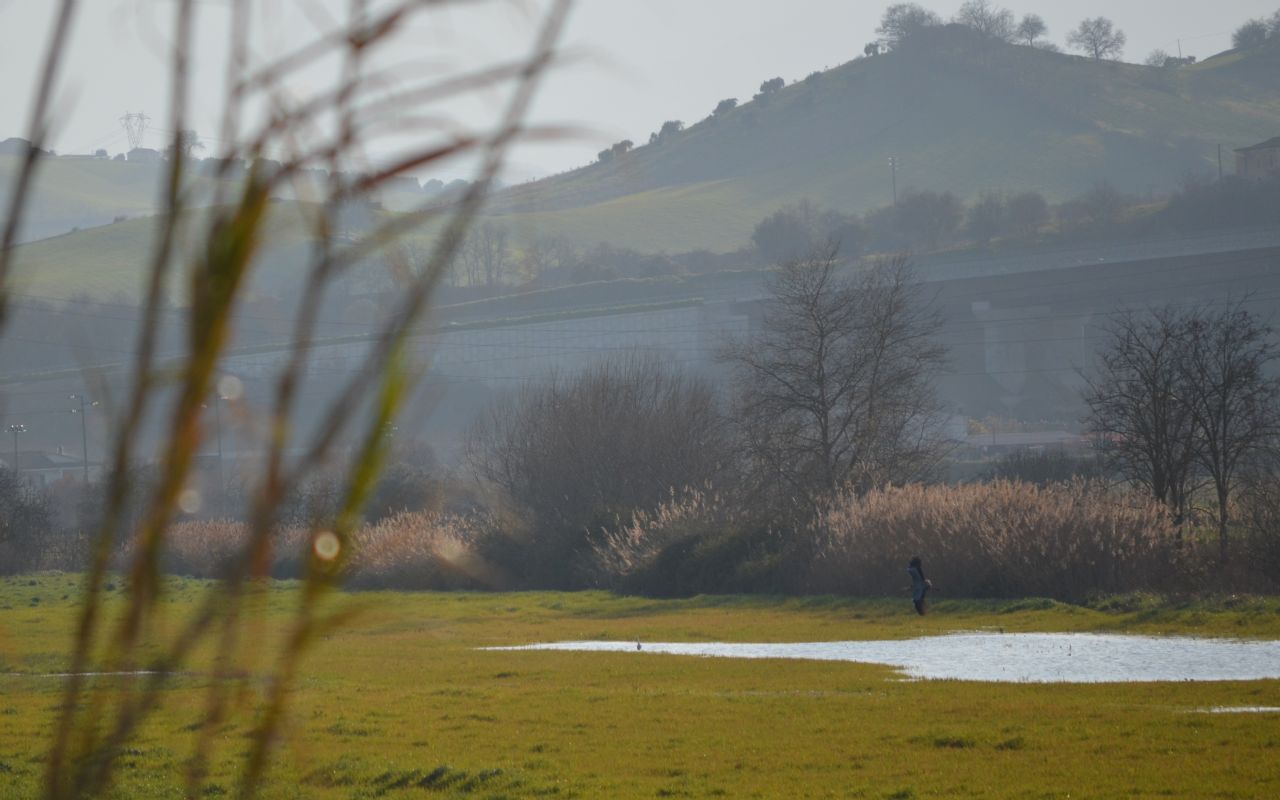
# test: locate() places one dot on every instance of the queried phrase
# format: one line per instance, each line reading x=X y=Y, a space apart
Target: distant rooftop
x=1270 y=144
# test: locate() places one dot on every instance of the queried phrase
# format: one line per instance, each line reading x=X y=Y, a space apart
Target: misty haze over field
x=633 y=300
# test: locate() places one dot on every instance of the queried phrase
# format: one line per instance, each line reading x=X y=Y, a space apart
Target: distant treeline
x=924 y=221
x=816 y=469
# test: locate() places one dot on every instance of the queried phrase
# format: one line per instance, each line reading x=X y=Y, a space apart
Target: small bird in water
x=637 y=645
x=920 y=585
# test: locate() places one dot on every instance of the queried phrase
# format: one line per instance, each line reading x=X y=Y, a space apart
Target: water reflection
x=997 y=657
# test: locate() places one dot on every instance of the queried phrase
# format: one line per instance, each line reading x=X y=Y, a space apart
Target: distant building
x=1259 y=161
x=14 y=146
x=144 y=155
x=46 y=469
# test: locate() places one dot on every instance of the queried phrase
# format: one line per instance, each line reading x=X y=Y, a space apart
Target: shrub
x=26 y=524
x=694 y=543
x=420 y=551
x=1003 y=539
x=577 y=454
x=1045 y=467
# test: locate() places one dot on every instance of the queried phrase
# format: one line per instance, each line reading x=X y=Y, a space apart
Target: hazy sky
x=639 y=61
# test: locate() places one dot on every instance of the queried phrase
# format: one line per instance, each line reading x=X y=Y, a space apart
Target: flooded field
x=1004 y=658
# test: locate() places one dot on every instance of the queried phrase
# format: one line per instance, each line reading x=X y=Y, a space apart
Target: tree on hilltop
x=987 y=19
x=725 y=106
x=1251 y=34
x=902 y=20
x=1030 y=29
x=772 y=85
x=1098 y=38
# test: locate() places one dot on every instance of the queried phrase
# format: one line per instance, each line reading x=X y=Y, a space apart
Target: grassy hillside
x=959 y=113
x=109 y=262
x=83 y=192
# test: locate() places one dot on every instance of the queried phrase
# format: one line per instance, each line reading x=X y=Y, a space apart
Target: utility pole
x=893 y=166
x=15 y=430
x=84 y=432
x=217 y=426
x=1219 y=163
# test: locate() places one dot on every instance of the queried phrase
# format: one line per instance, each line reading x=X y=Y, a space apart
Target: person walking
x=920 y=585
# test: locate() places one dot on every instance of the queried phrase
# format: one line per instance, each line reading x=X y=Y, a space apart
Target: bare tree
x=1031 y=28
x=1137 y=406
x=1098 y=38
x=485 y=255
x=545 y=254
x=1230 y=397
x=901 y=20
x=1186 y=393
x=836 y=389
x=536 y=257
x=987 y=19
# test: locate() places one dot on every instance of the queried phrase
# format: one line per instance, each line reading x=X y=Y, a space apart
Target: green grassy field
x=400 y=703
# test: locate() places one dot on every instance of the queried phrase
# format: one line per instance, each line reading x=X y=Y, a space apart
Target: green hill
x=109 y=262
x=959 y=112
x=73 y=192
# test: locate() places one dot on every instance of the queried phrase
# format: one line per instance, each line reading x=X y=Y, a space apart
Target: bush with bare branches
x=694 y=543
x=581 y=452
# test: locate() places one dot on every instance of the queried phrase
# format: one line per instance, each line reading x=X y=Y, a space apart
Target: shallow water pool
x=1001 y=657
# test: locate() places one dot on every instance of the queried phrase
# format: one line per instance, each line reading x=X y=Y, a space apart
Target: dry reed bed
x=1003 y=539
x=409 y=550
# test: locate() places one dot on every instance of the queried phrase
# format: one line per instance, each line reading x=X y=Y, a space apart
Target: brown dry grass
x=410 y=550
x=1005 y=539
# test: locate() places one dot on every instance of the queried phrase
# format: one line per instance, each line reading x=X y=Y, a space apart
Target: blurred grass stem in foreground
x=216 y=254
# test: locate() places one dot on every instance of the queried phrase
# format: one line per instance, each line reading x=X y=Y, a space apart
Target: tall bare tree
x=1186 y=393
x=1030 y=29
x=1137 y=405
x=901 y=20
x=485 y=255
x=988 y=19
x=1098 y=38
x=836 y=389
x=1230 y=396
